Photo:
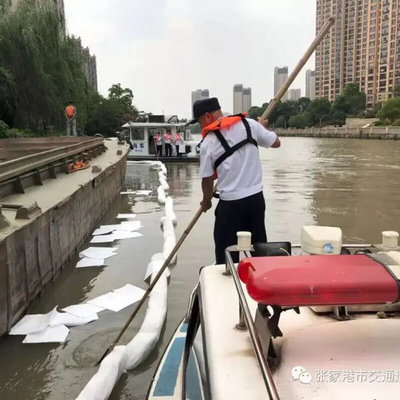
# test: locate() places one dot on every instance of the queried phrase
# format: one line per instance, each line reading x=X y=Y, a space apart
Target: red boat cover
x=318 y=280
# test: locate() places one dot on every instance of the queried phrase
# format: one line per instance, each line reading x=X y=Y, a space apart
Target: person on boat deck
x=230 y=150
x=168 y=144
x=178 y=143
x=158 y=140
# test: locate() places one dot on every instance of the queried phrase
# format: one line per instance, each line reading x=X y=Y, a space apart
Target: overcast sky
x=165 y=49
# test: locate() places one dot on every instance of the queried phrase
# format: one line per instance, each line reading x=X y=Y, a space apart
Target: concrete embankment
x=33 y=251
x=381 y=133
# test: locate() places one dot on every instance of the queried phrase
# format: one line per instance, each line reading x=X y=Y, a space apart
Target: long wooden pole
x=325 y=29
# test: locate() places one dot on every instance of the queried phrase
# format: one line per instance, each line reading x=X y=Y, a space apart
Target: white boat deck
x=357 y=359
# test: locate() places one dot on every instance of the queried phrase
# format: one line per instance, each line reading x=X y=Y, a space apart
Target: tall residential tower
x=200 y=94
x=280 y=77
x=363 y=47
x=310 y=84
x=241 y=99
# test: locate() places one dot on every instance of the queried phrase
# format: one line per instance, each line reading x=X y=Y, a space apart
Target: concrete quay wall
x=380 y=133
x=32 y=253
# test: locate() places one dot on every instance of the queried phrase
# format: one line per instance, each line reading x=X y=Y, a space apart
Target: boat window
x=137 y=134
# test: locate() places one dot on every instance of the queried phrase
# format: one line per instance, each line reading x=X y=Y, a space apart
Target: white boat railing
x=265 y=370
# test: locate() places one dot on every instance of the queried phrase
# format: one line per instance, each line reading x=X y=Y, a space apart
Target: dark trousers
x=246 y=214
x=168 y=149
x=159 y=150
x=177 y=151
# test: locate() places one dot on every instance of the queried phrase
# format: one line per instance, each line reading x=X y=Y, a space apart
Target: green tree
x=320 y=110
x=281 y=122
x=40 y=69
x=390 y=111
x=108 y=115
x=351 y=102
x=300 y=121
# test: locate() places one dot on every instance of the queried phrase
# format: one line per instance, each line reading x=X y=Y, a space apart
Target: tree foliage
x=319 y=112
x=41 y=70
x=351 y=102
x=390 y=111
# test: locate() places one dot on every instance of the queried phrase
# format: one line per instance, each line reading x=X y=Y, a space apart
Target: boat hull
x=167 y=381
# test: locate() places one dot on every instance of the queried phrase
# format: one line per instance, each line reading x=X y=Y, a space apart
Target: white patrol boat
x=321 y=324
x=141 y=137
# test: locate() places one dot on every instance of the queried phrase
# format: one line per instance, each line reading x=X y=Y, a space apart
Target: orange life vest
x=225 y=123
x=222 y=123
x=70 y=111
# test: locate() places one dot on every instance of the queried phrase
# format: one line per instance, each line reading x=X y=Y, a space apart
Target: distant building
x=246 y=100
x=89 y=63
x=241 y=99
x=294 y=94
x=280 y=77
x=363 y=46
x=237 y=99
x=200 y=94
x=310 y=84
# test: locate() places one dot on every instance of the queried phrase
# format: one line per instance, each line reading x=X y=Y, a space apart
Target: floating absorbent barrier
x=137 y=350
x=161 y=195
x=110 y=370
x=163 y=183
x=169 y=238
x=169 y=210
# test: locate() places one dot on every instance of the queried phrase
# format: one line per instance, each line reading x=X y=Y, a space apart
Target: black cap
x=200 y=107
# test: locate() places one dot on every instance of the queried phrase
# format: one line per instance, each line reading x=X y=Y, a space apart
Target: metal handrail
x=265 y=370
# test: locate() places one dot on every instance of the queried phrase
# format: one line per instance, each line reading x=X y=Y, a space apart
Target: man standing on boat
x=230 y=150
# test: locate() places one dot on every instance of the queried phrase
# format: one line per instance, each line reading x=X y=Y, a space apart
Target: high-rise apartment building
x=241 y=99
x=246 y=100
x=310 y=84
x=280 y=77
x=237 y=99
x=200 y=94
x=89 y=64
x=363 y=47
x=294 y=94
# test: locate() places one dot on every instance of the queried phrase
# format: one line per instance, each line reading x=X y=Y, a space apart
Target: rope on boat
x=127 y=357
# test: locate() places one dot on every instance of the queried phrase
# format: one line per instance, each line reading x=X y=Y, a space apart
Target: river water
x=353 y=184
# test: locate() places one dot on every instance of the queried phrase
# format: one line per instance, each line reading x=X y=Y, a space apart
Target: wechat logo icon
x=300 y=374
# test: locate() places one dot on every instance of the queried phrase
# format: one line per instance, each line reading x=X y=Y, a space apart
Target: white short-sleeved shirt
x=240 y=175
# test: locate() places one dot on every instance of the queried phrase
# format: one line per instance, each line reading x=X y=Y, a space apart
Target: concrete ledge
x=33 y=251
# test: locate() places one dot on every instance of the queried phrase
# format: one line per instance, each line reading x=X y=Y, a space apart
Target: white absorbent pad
x=83 y=310
x=98 y=252
x=56 y=334
x=90 y=262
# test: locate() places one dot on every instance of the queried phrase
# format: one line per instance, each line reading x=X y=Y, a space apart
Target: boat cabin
x=142 y=137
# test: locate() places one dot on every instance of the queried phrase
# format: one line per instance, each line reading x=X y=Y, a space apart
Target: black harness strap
x=230 y=150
